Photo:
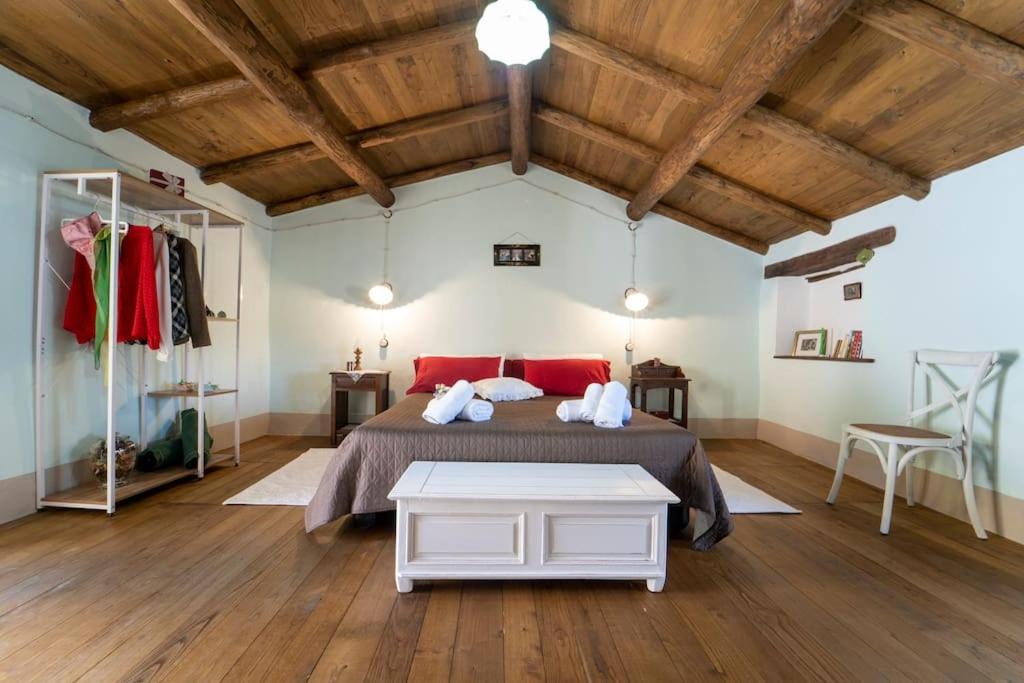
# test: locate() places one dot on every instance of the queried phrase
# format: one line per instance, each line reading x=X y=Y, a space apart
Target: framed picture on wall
x=809 y=343
x=516 y=254
x=852 y=291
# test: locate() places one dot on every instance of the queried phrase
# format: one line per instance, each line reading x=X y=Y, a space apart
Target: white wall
x=40 y=131
x=451 y=299
x=952 y=280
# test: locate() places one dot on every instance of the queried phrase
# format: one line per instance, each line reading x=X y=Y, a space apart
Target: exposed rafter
x=775 y=124
x=972 y=48
x=699 y=175
x=226 y=26
x=519 y=88
x=402 y=130
x=677 y=215
x=349 y=191
x=795 y=28
x=180 y=99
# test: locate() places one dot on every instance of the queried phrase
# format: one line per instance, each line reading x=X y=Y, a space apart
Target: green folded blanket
x=161 y=453
x=189 y=428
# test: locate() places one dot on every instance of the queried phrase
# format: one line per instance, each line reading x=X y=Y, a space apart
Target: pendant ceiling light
x=635 y=300
x=382 y=294
x=513 y=32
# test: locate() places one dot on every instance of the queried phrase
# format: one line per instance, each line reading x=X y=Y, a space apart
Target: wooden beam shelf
x=835 y=360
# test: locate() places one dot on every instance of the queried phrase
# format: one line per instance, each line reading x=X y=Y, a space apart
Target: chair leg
x=845 y=445
x=910 y=483
x=890 y=487
x=972 y=505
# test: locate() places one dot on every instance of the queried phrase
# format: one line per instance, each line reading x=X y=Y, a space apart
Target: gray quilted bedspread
x=374 y=455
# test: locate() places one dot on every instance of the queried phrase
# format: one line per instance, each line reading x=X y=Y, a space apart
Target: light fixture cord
x=632 y=233
x=387 y=243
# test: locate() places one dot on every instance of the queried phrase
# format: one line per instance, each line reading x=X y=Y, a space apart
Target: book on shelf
x=856 y=344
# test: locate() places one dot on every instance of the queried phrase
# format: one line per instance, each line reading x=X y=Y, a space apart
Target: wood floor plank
x=180 y=587
x=524 y=654
x=289 y=648
x=479 y=644
x=348 y=655
x=432 y=660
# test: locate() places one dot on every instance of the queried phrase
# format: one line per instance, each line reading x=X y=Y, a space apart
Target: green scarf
x=101 y=290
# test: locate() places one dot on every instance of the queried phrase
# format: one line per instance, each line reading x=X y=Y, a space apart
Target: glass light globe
x=636 y=300
x=513 y=32
x=382 y=294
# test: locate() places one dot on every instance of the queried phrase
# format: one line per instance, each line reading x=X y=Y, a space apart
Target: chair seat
x=901 y=434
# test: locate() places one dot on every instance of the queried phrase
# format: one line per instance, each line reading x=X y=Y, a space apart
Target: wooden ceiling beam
x=177 y=100
x=699 y=175
x=795 y=28
x=349 y=191
x=771 y=122
x=675 y=214
x=519 y=95
x=226 y=26
x=975 y=50
x=394 y=132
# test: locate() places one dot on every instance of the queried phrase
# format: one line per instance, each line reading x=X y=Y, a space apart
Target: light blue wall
x=952 y=280
x=41 y=131
x=451 y=299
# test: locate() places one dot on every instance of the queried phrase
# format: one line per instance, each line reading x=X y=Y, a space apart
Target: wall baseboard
x=18 y=494
x=1001 y=514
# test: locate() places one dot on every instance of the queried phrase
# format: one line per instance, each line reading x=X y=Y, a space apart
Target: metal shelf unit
x=127 y=196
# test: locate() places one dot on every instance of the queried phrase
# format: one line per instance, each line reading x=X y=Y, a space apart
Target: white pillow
x=506 y=389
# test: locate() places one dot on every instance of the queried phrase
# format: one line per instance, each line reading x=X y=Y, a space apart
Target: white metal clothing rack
x=125 y=196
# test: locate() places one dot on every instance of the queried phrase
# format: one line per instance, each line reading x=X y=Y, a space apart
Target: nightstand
x=682 y=384
x=374 y=381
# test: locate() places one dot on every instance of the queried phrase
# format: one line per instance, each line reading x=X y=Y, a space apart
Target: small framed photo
x=516 y=254
x=809 y=343
x=852 y=291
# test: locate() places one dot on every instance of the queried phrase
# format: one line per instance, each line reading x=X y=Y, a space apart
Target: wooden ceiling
x=752 y=120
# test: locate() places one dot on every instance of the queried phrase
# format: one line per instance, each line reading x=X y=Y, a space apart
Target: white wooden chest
x=491 y=520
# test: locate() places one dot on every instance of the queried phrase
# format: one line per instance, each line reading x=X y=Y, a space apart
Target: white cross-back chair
x=906 y=442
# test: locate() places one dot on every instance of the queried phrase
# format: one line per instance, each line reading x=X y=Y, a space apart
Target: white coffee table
x=493 y=520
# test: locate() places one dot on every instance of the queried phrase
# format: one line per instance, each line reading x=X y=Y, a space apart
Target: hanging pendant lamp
x=513 y=32
x=382 y=294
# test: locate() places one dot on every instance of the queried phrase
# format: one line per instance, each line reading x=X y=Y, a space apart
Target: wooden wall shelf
x=834 y=360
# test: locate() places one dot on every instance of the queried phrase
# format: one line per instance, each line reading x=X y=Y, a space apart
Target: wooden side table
x=682 y=384
x=375 y=381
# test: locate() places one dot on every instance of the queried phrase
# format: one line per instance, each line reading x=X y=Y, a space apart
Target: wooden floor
x=179 y=587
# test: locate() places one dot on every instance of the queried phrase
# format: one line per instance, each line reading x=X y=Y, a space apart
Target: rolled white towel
x=569 y=411
x=591 y=397
x=476 y=411
x=445 y=409
x=612 y=406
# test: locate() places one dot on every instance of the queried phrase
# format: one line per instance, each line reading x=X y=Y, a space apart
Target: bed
x=373 y=457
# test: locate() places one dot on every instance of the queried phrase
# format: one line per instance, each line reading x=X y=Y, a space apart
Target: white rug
x=296 y=482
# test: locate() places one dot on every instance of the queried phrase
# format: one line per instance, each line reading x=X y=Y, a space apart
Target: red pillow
x=514 y=368
x=432 y=370
x=566 y=377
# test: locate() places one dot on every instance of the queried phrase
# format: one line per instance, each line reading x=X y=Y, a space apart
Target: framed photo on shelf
x=516 y=254
x=852 y=291
x=809 y=343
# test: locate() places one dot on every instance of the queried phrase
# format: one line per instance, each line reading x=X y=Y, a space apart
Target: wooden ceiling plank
x=839 y=254
x=794 y=29
x=374 y=137
x=775 y=124
x=675 y=214
x=177 y=100
x=699 y=175
x=975 y=50
x=226 y=26
x=349 y=191
x=519 y=89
